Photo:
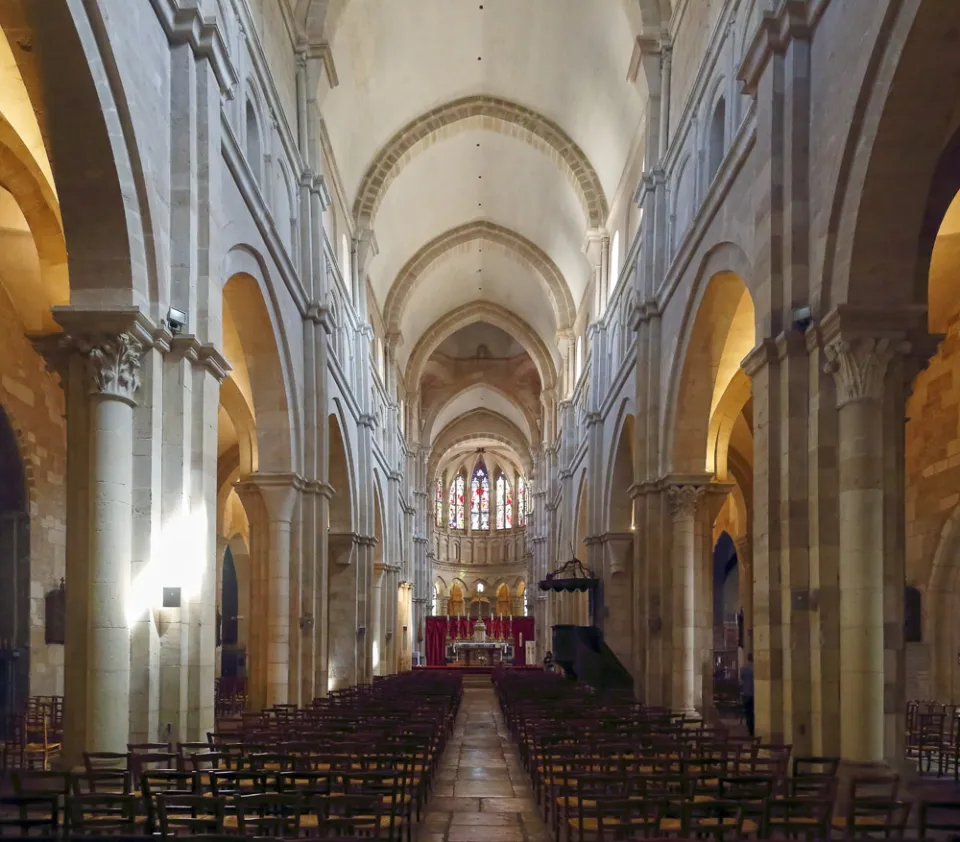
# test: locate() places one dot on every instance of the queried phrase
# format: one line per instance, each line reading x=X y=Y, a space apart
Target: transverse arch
x=484 y=112
x=555 y=286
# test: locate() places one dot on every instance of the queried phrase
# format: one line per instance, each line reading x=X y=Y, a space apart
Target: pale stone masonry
x=274 y=271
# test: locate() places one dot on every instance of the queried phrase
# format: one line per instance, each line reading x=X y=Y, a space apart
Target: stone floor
x=482 y=793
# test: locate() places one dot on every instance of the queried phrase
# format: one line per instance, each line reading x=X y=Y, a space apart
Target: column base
x=850 y=769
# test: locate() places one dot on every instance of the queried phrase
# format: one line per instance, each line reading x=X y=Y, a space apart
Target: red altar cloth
x=436 y=635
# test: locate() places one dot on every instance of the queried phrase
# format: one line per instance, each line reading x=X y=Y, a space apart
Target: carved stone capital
x=113 y=364
x=859 y=365
x=683 y=499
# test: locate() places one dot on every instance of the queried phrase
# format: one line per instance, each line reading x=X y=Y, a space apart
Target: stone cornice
x=320 y=51
x=321 y=314
x=763 y=354
x=777 y=29
x=183 y=23
x=318 y=185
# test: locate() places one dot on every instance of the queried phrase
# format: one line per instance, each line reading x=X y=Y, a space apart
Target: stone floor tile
x=481 y=793
x=482 y=773
x=505 y=805
x=484 y=833
x=495 y=819
x=483 y=789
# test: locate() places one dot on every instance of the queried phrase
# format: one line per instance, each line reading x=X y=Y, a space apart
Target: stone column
x=859 y=365
x=113 y=367
x=694 y=505
x=684 y=501
x=279 y=493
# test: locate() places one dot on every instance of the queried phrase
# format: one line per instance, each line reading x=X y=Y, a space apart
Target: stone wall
x=33 y=401
x=932 y=456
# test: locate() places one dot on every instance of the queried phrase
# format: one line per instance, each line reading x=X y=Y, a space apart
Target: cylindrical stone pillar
x=859 y=366
x=114 y=368
x=683 y=501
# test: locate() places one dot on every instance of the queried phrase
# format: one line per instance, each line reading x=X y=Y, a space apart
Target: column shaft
x=111 y=507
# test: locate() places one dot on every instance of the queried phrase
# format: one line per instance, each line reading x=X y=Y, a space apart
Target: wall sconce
x=306 y=622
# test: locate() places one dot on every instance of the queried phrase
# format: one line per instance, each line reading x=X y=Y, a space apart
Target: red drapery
x=436 y=635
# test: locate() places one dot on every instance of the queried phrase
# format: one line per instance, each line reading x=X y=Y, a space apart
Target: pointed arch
x=480 y=496
x=457 y=505
x=486 y=112
x=504 y=501
x=618 y=508
x=525 y=251
x=482 y=311
x=342 y=514
x=719 y=330
x=65 y=59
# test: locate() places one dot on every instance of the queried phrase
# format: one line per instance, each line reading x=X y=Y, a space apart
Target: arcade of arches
x=318 y=318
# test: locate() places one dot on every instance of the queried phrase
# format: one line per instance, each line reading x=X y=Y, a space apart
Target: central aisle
x=482 y=793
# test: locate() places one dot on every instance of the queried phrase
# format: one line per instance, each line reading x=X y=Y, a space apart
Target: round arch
x=481 y=311
x=485 y=112
x=618 y=505
x=526 y=252
x=340 y=477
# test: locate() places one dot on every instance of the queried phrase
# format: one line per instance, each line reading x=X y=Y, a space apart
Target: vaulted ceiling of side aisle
x=481 y=140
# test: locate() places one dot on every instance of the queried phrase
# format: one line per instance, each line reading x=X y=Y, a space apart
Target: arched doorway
x=14 y=574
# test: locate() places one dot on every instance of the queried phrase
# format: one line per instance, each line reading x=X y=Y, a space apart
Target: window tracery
x=521 y=501
x=480 y=498
x=504 y=503
x=438 y=505
x=456 y=502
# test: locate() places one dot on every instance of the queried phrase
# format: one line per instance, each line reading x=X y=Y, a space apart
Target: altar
x=477 y=644
x=474 y=654
x=478 y=651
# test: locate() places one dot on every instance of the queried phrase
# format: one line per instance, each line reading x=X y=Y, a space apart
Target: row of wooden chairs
x=606 y=767
x=363 y=803
x=933 y=738
x=359 y=764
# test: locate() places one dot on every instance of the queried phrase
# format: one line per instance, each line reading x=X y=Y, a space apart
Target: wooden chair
x=940 y=817
x=180 y=814
x=29 y=815
x=102 y=815
x=796 y=818
x=39 y=746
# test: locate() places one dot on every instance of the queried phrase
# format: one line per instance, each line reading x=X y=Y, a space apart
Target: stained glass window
x=439 y=503
x=504 y=503
x=521 y=502
x=456 y=502
x=480 y=498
